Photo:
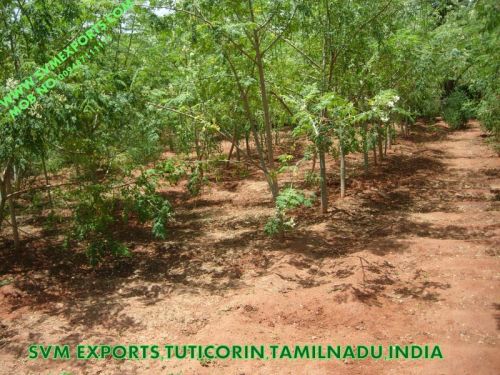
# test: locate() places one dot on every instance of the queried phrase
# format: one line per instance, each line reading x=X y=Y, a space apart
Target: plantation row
x=183 y=76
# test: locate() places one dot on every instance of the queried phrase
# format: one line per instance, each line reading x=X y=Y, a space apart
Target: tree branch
x=278 y=37
x=43 y=187
x=209 y=23
x=305 y=55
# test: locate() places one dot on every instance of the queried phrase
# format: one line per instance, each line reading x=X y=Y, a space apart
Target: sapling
x=287 y=200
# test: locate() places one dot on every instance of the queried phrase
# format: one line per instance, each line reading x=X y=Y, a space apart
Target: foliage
x=455 y=109
x=288 y=199
x=311 y=178
x=181 y=81
x=196 y=180
x=98 y=214
x=488 y=112
x=93 y=221
x=6 y=282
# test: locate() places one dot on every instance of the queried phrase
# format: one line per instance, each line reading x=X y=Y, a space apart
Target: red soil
x=410 y=256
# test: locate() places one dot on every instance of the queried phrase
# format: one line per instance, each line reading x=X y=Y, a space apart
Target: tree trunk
x=197 y=142
x=228 y=162
x=47 y=181
x=118 y=45
x=12 y=210
x=247 y=141
x=233 y=143
x=259 y=61
x=379 y=141
x=269 y=172
x=3 y=197
x=130 y=40
x=264 y=98
x=389 y=136
x=342 y=169
x=323 y=181
x=366 y=161
x=238 y=155
x=315 y=157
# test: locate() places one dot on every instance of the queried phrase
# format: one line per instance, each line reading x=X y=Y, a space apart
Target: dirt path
x=410 y=257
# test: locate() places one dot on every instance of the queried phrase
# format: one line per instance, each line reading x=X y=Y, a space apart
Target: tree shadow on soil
x=496 y=306
x=378 y=224
x=62 y=283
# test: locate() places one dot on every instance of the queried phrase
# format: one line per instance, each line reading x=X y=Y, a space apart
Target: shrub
x=488 y=112
x=288 y=199
x=312 y=178
x=92 y=223
x=196 y=180
x=457 y=109
x=100 y=209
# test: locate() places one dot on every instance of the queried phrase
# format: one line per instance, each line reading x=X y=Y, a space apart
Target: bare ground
x=410 y=256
